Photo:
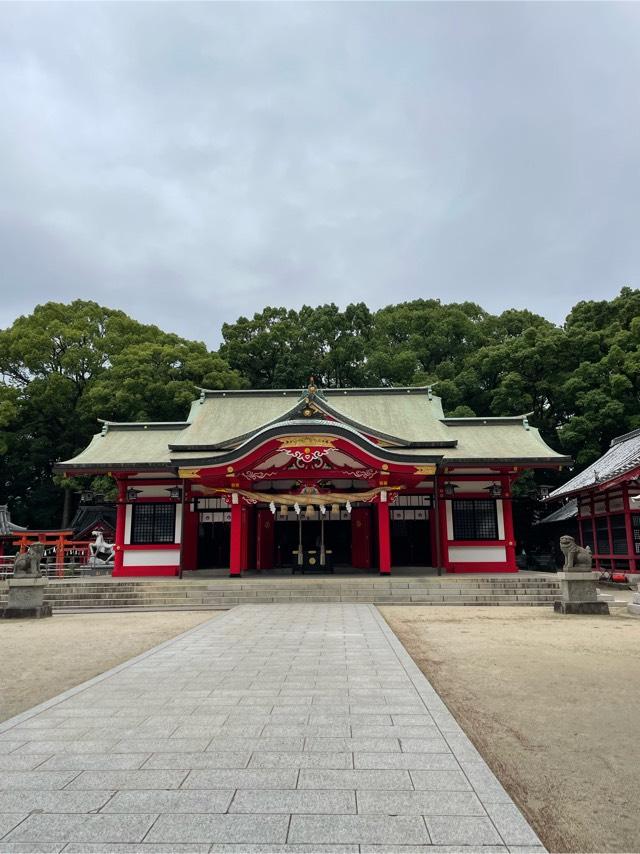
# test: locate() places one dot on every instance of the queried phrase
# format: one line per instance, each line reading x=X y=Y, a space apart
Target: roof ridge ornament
x=309 y=397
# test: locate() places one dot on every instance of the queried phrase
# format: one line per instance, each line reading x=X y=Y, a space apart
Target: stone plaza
x=269 y=728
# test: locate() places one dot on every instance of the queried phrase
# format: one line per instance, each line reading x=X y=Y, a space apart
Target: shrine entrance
x=303 y=502
x=313 y=541
x=213 y=544
x=311 y=536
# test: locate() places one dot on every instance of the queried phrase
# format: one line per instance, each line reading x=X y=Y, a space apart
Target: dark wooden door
x=361 y=537
x=264 y=539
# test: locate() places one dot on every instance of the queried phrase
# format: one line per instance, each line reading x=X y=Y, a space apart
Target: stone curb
x=458 y=741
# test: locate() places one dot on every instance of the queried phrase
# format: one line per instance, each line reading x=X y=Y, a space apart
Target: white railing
x=54 y=571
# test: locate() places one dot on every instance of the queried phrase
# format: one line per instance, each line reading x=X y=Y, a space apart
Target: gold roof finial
x=312 y=388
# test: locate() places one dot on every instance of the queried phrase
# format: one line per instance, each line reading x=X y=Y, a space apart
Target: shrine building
x=607 y=503
x=361 y=478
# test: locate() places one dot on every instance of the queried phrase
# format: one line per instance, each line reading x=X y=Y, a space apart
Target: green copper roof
x=406 y=421
x=124 y=445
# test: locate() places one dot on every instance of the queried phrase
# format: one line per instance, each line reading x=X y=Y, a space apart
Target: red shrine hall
x=606 y=499
x=315 y=481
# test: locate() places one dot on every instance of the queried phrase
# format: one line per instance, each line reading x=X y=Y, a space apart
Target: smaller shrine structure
x=608 y=516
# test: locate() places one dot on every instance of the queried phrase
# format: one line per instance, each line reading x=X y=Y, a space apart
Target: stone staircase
x=187 y=594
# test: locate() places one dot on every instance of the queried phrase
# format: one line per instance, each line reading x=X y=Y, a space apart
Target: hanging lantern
x=309 y=511
x=283 y=509
x=335 y=508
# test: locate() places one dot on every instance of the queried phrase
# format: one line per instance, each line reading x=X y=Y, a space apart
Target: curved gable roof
x=406 y=416
x=402 y=421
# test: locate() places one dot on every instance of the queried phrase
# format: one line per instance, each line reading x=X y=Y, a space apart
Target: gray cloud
x=192 y=162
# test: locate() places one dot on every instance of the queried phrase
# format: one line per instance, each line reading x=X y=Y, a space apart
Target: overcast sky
x=189 y=163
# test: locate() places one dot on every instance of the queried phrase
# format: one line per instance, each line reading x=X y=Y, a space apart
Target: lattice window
x=603 y=546
x=586 y=526
x=619 y=535
x=635 y=521
x=153 y=523
x=474 y=519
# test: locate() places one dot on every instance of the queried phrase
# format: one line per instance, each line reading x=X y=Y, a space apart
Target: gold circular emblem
x=312 y=560
x=229 y=468
x=307 y=450
x=384 y=466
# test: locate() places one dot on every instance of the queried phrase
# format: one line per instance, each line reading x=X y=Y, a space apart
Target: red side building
x=608 y=516
x=364 y=478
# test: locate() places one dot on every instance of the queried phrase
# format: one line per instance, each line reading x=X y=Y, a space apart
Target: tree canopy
x=62 y=367
x=65 y=365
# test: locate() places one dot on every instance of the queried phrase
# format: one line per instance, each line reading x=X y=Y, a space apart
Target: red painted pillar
x=238 y=519
x=190 y=537
x=441 y=522
x=60 y=544
x=121 y=517
x=247 y=530
x=384 y=536
x=633 y=563
x=507 y=515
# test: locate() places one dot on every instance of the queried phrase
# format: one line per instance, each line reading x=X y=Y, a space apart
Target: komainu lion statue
x=27 y=564
x=575 y=557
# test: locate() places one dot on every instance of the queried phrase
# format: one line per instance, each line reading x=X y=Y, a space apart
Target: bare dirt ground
x=553 y=704
x=42 y=658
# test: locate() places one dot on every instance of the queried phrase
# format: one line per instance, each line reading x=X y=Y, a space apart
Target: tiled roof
x=567 y=511
x=623 y=456
x=7 y=527
x=405 y=420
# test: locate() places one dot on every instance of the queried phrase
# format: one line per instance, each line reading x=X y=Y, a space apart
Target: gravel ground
x=42 y=658
x=553 y=704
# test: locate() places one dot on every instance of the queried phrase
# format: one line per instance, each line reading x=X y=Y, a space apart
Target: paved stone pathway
x=272 y=728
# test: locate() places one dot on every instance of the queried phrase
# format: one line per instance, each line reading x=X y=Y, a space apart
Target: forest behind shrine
x=66 y=365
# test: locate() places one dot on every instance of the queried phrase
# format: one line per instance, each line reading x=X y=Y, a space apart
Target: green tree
x=156 y=381
x=281 y=348
x=52 y=362
x=600 y=397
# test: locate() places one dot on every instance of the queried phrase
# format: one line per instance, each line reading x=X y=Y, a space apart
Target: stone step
x=303 y=587
x=255 y=597
x=304 y=580
x=251 y=597
x=307 y=580
x=54 y=590
x=155 y=594
x=151 y=604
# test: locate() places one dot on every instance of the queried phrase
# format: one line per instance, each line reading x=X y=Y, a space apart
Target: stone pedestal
x=26 y=598
x=579 y=594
